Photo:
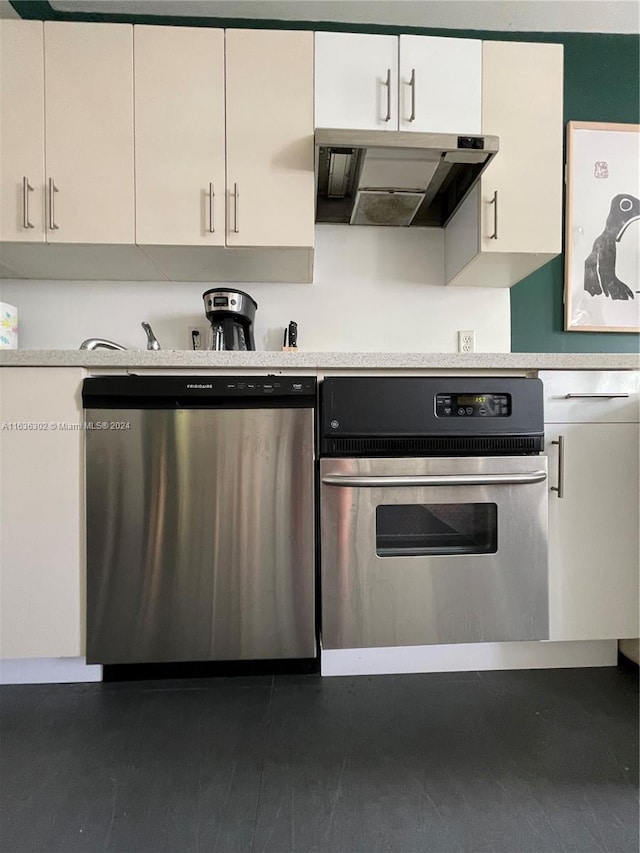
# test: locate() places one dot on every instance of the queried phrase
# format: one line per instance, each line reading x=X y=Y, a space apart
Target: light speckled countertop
x=205 y=359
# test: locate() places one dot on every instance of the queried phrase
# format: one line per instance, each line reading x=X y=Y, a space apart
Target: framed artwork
x=602 y=238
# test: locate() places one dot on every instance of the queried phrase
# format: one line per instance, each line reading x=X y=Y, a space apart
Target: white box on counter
x=8 y=326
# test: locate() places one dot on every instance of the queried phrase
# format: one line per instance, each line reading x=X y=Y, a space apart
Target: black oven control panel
x=473 y=405
x=414 y=416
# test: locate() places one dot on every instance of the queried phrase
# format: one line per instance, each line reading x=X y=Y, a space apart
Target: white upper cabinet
x=89 y=132
x=522 y=105
x=224 y=138
x=22 y=201
x=179 y=136
x=225 y=187
x=270 y=152
x=511 y=222
x=412 y=83
x=356 y=78
x=440 y=85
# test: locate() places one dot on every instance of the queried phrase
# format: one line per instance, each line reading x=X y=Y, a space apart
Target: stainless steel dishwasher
x=200 y=518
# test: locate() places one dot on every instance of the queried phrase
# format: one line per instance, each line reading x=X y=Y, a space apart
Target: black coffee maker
x=231 y=314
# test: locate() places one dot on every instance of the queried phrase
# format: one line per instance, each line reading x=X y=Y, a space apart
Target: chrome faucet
x=152 y=341
x=102 y=343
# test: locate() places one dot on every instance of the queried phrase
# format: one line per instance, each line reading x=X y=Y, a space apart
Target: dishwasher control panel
x=250 y=385
x=177 y=391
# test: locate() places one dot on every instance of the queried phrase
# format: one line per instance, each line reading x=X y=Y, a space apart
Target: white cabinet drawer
x=591 y=396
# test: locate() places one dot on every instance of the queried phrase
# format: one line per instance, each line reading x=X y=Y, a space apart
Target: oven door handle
x=370 y=482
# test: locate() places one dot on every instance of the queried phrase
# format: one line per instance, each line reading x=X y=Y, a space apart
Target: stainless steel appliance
x=231 y=314
x=433 y=511
x=200 y=518
x=382 y=177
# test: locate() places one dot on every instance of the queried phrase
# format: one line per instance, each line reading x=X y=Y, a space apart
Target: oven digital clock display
x=470 y=401
x=473 y=405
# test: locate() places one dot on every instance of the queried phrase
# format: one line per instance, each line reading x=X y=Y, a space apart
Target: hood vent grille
x=378 y=207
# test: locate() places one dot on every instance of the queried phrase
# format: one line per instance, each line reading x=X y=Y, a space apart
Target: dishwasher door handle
x=373 y=482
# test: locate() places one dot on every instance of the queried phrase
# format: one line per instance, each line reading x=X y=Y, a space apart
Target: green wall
x=601 y=83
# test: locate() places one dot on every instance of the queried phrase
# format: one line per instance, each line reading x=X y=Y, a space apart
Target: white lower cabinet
x=41 y=519
x=594 y=548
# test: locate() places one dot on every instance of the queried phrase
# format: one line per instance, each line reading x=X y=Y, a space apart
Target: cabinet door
x=41 y=583
x=179 y=136
x=440 y=84
x=21 y=131
x=270 y=154
x=89 y=126
x=593 y=532
x=356 y=81
x=522 y=105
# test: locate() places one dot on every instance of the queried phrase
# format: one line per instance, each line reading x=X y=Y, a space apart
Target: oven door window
x=423 y=530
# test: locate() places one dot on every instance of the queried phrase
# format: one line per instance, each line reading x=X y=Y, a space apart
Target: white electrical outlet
x=467 y=341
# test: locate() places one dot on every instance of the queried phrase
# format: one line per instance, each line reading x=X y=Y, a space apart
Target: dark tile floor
x=515 y=762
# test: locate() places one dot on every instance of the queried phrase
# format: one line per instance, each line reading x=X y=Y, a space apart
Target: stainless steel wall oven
x=433 y=511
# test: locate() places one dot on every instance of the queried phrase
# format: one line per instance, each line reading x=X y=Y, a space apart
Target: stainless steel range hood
x=380 y=177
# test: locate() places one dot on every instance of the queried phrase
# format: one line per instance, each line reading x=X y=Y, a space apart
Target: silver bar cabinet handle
x=236 y=196
x=434 y=480
x=26 y=189
x=52 y=211
x=560 y=487
x=387 y=83
x=211 y=197
x=412 y=83
x=494 y=202
x=594 y=396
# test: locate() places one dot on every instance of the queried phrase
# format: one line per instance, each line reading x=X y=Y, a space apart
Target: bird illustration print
x=600 y=266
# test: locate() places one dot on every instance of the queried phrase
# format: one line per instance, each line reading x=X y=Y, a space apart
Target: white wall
x=581 y=16
x=371 y=292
